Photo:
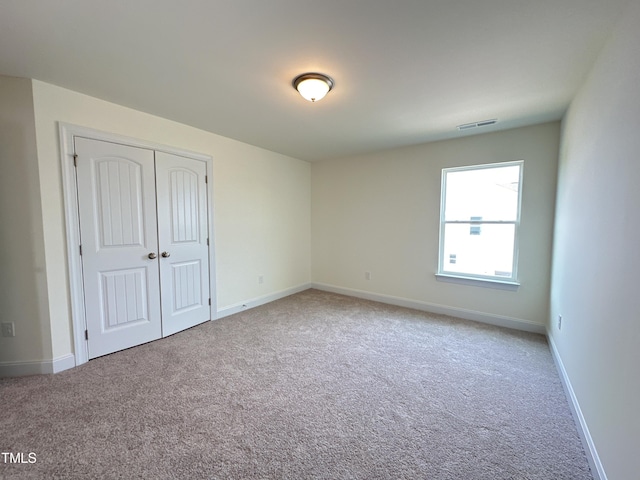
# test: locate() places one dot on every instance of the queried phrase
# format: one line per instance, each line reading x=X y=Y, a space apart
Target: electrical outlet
x=367 y=275
x=260 y=279
x=8 y=329
x=559 y=322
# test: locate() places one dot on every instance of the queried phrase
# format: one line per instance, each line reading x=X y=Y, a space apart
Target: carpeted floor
x=313 y=386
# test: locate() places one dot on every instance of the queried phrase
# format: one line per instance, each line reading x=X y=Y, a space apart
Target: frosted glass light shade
x=313 y=86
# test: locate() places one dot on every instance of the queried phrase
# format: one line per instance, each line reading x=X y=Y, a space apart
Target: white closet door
x=117 y=210
x=182 y=236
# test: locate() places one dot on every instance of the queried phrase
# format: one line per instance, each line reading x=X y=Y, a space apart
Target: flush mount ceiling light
x=313 y=86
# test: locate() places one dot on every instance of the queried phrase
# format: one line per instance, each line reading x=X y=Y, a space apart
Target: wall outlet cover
x=8 y=329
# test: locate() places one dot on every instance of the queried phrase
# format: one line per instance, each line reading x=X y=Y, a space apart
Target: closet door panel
x=182 y=236
x=118 y=230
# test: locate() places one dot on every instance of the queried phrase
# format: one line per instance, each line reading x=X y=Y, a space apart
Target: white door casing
x=117 y=212
x=68 y=133
x=183 y=241
x=144 y=226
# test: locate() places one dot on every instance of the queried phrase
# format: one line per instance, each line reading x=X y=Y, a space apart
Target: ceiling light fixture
x=313 y=86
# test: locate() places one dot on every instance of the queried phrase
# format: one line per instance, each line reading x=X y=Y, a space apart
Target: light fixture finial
x=313 y=86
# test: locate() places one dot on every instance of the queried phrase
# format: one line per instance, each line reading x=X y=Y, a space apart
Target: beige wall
x=380 y=213
x=261 y=203
x=596 y=250
x=376 y=213
x=23 y=285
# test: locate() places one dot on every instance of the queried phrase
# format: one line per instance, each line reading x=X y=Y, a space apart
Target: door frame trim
x=67 y=132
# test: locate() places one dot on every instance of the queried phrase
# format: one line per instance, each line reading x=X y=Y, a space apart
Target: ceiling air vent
x=482 y=123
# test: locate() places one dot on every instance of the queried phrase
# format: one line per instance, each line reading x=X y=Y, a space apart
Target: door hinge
x=206 y=179
x=209 y=302
x=207 y=242
x=75 y=159
x=86 y=334
x=80 y=247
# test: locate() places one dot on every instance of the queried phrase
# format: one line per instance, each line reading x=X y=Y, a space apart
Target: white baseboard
x=42 y=367
x=583 y=430
x=255 y=302
x=498 y=320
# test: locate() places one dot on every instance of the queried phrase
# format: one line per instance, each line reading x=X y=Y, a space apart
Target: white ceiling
x=406 y=71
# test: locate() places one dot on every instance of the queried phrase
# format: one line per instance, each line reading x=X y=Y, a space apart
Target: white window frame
x=470 y=278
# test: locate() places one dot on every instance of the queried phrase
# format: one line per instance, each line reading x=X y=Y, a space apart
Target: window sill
x=478 y=282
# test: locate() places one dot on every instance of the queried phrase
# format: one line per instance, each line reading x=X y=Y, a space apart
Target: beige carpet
x=316 y=385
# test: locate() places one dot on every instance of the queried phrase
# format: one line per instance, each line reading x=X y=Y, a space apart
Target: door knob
x=166 y=254
x=152 y=255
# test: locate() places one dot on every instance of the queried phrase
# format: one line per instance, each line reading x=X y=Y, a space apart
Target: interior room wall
x=23 y=285
x=261 y=202
x=379 y=213
x=596 y=253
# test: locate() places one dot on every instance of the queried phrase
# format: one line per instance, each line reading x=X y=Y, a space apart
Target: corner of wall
x=23 y=287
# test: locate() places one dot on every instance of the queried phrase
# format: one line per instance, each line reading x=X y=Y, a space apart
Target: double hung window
x=479 y=221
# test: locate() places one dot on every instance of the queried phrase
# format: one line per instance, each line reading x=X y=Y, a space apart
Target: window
x=479 y=220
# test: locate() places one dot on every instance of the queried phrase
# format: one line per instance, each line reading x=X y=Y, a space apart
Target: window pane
x=489 y=193
x=489 y=253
